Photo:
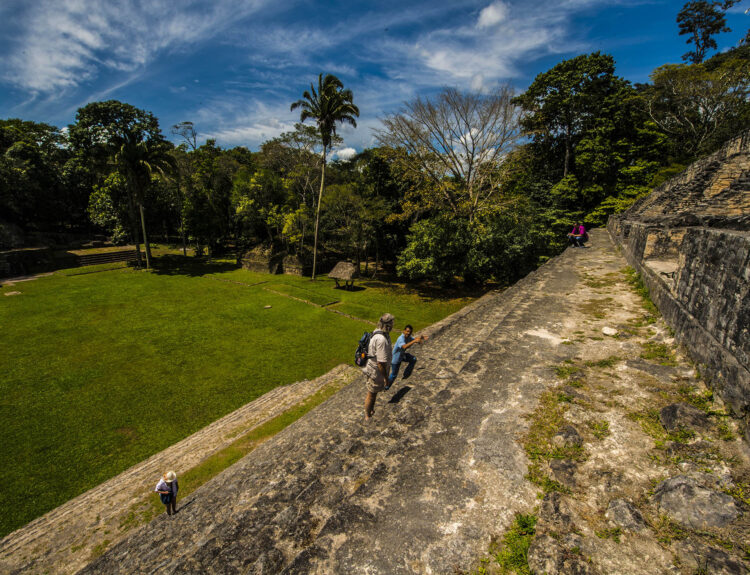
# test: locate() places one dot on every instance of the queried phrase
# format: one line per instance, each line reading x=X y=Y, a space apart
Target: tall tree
x=561 y=102
x=34 y=194
x=699 y=106
x=208 y=204
x=331 y=104
x=137 y=160
x=104 y=130
x=701 y=21
x=455 y=143
x=184 y=169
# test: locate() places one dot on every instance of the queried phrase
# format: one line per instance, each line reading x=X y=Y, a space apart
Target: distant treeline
x=461 y=187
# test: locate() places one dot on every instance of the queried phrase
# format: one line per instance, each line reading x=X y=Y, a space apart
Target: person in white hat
x=167 y=490
x=378 y=364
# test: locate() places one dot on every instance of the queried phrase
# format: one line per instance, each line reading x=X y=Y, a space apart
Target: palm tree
x=329 y=105
x=137 y=160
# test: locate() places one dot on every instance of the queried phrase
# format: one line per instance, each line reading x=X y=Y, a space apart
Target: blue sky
x=233 y=67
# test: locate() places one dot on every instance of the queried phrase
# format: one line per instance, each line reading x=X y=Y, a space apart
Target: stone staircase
x=107 y=257
x=439 y=472
x=420 y=489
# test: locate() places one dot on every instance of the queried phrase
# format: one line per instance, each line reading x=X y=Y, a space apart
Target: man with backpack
x=379 y=355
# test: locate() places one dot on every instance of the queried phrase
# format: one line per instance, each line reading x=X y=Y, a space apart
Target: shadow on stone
x=398 y=396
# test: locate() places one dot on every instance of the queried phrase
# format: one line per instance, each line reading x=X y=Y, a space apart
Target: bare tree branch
x=457 y=140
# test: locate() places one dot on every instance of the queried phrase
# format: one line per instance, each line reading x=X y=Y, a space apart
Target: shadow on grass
x=174 y=265
x=432 y=291
x=351 y=288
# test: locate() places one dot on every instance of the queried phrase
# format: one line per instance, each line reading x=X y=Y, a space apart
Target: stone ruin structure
x=263 y=259
x=690 y=241
x=441 y=470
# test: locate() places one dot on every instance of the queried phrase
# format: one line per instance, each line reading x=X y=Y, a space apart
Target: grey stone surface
x=441 y=470
x=699 y=224
x=703 y=559
x=624 y=514
x=683 y=499
x=568 y=435
x=547 y=555
x=682 y=415
x=555 y=514
x=563 y=471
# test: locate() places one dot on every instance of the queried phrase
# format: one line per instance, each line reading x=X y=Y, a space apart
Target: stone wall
x=263 y=259
x=690 y=241
x=25 y=261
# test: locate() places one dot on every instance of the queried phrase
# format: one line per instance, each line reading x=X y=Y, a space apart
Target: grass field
x=101 y=370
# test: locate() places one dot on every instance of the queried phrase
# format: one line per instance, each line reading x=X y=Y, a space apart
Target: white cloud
x=477 y=82
x=344 y=154
x=65 y=43
x=492 y=15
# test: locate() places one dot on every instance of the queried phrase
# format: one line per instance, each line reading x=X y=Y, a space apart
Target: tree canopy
x=702 y=20
x=462 y=186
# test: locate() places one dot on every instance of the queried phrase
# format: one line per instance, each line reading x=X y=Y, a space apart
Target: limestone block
x=624 y=514
x=682 y=415
x=694 y=506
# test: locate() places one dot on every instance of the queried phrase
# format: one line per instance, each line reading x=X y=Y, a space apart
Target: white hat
x=170 y=476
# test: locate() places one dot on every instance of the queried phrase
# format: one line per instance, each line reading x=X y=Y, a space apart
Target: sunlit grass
x=102 y=370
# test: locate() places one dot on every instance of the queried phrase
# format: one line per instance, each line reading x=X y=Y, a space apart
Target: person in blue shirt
x=404 y=342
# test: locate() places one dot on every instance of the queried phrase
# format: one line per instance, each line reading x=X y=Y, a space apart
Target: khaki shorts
x=375 y=385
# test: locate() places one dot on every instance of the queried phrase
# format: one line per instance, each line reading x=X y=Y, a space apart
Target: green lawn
x=101 y=370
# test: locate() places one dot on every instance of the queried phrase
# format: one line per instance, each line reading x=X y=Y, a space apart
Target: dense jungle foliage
x=462 y=186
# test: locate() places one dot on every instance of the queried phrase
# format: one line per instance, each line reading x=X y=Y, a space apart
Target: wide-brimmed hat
x=170 y=476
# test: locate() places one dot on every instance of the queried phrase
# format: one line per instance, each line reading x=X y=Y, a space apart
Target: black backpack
x=360 y=356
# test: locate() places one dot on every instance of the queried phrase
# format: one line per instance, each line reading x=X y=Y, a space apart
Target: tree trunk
x=567 y=152
x=377 y=257
x=134 y=230
x=145 y=237
x=317 y=214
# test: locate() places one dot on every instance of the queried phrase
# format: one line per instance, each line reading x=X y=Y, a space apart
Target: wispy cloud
x=480 y=50
x=235 y=122
x=492 y=15
x=483 y=50
x=65 y=43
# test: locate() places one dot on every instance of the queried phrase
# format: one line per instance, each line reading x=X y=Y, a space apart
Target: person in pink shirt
x=578 y=236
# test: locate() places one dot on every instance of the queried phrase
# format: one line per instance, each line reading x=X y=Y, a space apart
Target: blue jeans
x=406 y=357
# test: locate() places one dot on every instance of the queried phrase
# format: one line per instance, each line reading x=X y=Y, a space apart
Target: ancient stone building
x=690 y=241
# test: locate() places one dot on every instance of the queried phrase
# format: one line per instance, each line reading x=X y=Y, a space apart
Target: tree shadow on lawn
x=354 y=288
x=431 y=291
x=174 y=265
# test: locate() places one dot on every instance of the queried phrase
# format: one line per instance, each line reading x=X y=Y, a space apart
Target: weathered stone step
x=107 y=257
